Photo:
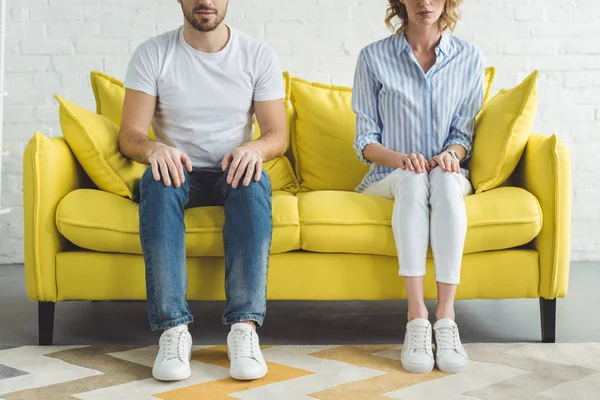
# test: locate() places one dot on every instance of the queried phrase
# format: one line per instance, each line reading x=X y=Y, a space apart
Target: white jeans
x=427 y=205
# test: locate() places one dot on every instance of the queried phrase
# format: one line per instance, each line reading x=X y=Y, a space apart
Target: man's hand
x=446 y=162
x=243 y=160
x=168 y=162
x=414 y=162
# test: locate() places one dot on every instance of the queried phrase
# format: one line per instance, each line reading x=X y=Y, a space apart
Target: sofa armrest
x=545 y=171
x=50 y=171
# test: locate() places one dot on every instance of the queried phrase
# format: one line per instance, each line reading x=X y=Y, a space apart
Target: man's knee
x=149 y=185
x=254 y=188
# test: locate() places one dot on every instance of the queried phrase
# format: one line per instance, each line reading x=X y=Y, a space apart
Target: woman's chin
x=425 y=21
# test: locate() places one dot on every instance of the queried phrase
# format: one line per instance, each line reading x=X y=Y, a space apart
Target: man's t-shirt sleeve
x=141 y=73
x=269 y=82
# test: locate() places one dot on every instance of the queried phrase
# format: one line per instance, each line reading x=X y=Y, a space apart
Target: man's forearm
x=270 y=145
x=136 y=145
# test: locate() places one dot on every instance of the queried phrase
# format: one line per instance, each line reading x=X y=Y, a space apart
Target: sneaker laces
x=243 y=344
x=173 y=345
x=447 y=337
x=418 y=337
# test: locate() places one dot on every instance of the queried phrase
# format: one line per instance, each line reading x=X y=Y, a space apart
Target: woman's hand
x=446 y=162
x=414 y=162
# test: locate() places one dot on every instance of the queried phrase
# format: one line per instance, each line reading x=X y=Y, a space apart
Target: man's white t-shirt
x=205 y=100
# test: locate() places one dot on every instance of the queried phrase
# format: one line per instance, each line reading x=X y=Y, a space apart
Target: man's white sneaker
x=174 y=352
x=450 y=355
x=417 y=355
x=243 y=350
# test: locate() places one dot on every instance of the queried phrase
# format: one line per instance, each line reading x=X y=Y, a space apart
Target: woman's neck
x=423 y=39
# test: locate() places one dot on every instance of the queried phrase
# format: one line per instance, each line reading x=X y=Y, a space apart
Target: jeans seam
x=149 y=275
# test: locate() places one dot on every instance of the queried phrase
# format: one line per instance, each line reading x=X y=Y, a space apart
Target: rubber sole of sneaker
x=163 y=379
x=452 y=368
x=248 y=378
x=418 y=368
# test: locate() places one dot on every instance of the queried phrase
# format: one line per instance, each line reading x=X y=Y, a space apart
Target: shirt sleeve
x=463 y=124
x=269 y=83
x=364 y=103
x=142 y=71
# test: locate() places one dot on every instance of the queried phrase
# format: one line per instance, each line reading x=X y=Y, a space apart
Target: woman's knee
x=411 y=182
x=445 y=186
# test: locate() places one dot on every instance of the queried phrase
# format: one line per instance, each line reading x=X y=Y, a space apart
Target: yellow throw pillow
x=323 y=133
x=490 y=74
x=94 y=140
x=110 y=95
x=282 y=176
x=503 y=128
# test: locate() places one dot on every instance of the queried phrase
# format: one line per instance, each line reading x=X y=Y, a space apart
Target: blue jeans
x=246 y=237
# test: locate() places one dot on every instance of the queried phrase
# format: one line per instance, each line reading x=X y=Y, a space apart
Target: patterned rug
x=497 y=371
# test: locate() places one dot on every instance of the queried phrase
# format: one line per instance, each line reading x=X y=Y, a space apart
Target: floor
x=292 y=322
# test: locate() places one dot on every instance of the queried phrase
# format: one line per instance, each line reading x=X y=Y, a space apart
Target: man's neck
x=423 y=39
x=206 y=42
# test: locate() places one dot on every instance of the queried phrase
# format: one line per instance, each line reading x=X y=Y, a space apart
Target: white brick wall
x=53 y=44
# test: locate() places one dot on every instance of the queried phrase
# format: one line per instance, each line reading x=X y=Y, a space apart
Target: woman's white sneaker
x=174 y=353
x=243 y=350
x=450 y=355
x=417 y=355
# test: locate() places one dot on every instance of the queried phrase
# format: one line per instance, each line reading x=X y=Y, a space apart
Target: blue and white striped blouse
x=405 y=110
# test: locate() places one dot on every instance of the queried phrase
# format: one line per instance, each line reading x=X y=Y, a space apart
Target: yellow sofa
x=329 y=243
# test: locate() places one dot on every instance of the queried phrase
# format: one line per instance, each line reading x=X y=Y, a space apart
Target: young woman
x=416 y=95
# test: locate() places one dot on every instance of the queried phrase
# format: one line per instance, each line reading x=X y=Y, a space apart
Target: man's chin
x=205 y=26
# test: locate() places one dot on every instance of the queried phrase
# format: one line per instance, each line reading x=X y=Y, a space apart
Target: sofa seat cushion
x=102 y=221
x=349 y=222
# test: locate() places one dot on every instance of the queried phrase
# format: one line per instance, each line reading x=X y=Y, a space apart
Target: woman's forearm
x=381 y=155
x=460 y=151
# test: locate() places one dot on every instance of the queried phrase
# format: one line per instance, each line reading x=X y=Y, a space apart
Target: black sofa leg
x=46 y=323
x=548 y=319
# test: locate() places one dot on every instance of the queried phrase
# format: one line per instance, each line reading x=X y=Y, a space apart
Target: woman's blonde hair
x=448 y=19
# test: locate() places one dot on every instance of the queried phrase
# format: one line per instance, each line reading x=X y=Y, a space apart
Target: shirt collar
x=445 y=45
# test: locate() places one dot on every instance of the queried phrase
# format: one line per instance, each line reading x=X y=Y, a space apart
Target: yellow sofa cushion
x=323 y=133
x=94 y=140
x=503 y=127
x=109 y=93
x=100 y=221
x=348 y=222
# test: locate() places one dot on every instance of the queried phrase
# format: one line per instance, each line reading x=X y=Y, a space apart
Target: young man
x=200 y=86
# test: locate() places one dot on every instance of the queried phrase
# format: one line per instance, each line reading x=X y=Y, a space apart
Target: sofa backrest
x=322 y=132
x=323 y=129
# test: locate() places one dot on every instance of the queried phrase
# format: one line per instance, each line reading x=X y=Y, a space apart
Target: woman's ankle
x=420 y=312
x=441 y=314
